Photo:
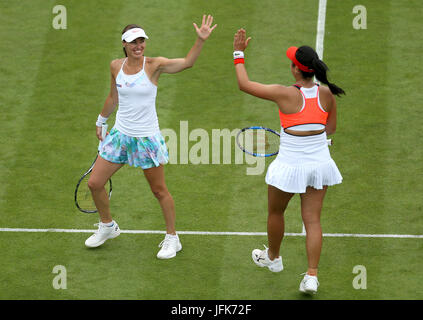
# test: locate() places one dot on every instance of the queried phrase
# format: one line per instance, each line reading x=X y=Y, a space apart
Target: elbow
x=113 y=100
x=243 y=86
x=188 y=66
x=330 y=131
x=188 y=63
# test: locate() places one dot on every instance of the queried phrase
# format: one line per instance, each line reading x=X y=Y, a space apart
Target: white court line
x=217 y=233
x=321 y=21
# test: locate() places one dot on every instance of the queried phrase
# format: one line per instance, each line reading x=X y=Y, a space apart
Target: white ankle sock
x=109 y=224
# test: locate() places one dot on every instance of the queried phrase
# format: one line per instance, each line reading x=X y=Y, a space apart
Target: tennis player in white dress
x=307 y=113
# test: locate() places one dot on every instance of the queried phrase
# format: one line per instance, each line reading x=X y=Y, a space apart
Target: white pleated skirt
x=303 y=162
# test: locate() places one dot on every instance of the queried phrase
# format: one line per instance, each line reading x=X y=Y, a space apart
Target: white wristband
x=100 y=120
x=238 y=54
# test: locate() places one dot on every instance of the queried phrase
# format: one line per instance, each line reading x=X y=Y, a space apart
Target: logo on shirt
x=130 y=85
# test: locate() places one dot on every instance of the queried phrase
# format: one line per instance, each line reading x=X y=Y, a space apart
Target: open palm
x=240 y=41
x=206 y=29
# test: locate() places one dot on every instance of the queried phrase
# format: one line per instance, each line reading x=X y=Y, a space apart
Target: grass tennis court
x=53 y=86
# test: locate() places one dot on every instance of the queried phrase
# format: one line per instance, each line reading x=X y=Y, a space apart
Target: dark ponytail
x=308 y=57
x=320 y=71
x=128 y=27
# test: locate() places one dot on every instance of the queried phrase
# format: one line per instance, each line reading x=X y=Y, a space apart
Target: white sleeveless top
x=136 y=115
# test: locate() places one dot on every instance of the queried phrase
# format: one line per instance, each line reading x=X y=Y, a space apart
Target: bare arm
x=271 y=92
x=331 y=122
x=177 y=65
x=265 y=91
x=111 y=100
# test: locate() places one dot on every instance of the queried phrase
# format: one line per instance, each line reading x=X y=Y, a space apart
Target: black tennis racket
x=83 y=199
x=260 y=141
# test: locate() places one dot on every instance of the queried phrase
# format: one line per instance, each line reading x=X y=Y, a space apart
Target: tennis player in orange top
x=303 y=165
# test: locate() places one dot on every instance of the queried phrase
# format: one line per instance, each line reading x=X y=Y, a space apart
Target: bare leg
x=156 y=179
x=311 y=207
x=277 y=202
x=101 y=173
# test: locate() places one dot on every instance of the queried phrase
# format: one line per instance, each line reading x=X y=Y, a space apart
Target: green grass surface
x=127 y=268
x=54 y=83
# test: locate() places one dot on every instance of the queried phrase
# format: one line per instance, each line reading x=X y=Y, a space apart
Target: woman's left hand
x=240 y=44
x=205 y=30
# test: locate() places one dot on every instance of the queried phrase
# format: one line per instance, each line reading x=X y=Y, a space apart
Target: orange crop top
x=310 y=113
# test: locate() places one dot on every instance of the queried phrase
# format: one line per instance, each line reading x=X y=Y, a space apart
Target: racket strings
x=259 y=141
x=84 y=197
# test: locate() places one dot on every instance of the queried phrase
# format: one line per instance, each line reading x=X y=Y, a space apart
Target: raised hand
x=205 y=30
x=240 y=44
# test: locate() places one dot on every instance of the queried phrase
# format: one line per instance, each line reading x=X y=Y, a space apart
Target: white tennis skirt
x=303 y=162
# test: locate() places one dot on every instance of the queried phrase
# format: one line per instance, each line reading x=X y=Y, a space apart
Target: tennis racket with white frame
x=83 y=198
x=260 y=141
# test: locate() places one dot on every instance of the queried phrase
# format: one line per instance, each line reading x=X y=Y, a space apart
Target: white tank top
x=136 y=115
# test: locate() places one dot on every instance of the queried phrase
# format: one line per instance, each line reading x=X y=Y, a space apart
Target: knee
x=94 y=184
x=275 y=212
x=276 y=209
x=160 y=192
x=311 y=220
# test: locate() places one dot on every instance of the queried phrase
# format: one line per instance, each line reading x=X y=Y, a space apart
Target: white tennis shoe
x=102 y=234
x=261 y=258
x=169 y=247
x=309 y=284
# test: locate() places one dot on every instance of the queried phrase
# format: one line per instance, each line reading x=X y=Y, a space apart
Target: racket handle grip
x=104 y=130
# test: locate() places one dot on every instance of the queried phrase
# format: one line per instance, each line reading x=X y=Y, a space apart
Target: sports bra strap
x=143 y=64
x=121 y=67
x=299 y=86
